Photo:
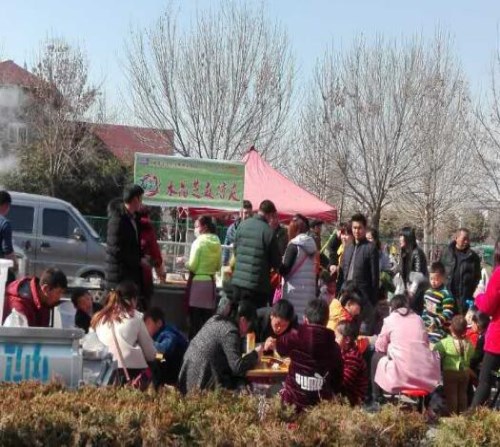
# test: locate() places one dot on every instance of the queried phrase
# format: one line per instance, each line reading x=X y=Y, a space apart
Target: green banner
x=190 y=182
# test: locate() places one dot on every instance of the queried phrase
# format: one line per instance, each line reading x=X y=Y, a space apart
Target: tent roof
x=264 y=182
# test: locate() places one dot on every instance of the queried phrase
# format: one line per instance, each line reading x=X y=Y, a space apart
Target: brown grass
x=36 y=415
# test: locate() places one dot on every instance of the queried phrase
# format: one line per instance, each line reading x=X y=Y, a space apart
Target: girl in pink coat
x=403 y=359
x=489 y=303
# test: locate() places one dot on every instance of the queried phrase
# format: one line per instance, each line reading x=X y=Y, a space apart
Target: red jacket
x=489 y=303
x=149 y=247
x=472 y=336
x=315 y=371
x=24 y=296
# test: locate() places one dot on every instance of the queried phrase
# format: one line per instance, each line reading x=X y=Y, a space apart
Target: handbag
x=278 y=292
x=275 y=279
x=143 y=380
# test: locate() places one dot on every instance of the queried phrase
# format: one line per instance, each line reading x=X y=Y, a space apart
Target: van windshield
x=84 y=222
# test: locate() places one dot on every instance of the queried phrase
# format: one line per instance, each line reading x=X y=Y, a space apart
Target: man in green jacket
x=256 y=251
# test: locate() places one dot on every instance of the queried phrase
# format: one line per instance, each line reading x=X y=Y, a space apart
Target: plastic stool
x=418 y=394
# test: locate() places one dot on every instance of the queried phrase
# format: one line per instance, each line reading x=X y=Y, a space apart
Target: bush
x=36 y=415
x=479 y=429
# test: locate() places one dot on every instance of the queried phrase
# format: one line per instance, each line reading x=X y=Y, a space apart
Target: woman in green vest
x=204 y=261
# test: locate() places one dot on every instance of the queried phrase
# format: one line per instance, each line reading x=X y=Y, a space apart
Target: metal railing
x=175 y=232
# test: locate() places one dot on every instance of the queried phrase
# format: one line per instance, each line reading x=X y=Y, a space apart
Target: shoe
x=373 y=407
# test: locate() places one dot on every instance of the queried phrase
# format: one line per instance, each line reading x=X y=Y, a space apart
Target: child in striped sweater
x=355 y=380
x=439 y=305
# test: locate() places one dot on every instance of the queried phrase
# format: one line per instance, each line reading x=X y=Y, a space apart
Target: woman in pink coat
x=489 y=303
x=403 y=359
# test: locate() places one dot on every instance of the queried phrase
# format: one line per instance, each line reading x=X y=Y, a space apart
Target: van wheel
x=97 y=295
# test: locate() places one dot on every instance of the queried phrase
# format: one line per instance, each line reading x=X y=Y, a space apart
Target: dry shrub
x=342 y=425
x=481 y=428
x=36 y=415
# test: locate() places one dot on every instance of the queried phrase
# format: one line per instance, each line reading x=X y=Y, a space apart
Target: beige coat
x=136 y=345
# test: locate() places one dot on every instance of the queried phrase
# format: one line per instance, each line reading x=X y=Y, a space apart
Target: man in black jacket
x=463 y=269
x=256 y=251
x=361 y=266
x=123 y=250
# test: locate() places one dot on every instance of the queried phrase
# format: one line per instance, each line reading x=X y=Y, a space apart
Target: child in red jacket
x=355 y=382
x=315 y=371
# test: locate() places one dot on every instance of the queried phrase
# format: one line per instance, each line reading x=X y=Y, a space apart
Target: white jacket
x=136 y=345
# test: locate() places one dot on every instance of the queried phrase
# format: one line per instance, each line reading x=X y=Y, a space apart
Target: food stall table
x=171 y=299
x=265 y=377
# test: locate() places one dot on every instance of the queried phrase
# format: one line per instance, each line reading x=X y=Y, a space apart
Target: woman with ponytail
x=121 y=328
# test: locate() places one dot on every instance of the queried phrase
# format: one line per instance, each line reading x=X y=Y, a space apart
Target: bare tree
x=444 y=140
x=486 y=188
x=222 y=86
x=58 y=104
x=313 y=164
x=61 y=157
x=368 y=113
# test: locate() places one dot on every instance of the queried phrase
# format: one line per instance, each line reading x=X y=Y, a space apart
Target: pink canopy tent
x=264 y=182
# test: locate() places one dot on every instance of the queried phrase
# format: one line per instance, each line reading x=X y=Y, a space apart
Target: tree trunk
x=427 y=231
x=375 y=221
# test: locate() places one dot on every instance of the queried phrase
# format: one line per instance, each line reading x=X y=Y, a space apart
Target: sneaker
x=373 y=407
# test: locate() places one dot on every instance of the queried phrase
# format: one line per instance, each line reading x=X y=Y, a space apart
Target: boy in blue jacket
x=170 y=343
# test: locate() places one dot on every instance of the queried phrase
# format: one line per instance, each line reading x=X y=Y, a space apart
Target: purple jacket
x=315 y=371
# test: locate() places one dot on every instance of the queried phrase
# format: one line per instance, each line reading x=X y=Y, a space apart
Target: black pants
x=367 y=356
x=491 y=362
x=377 y=392
x=197 y=318
x=367 y=318
x=259 y=299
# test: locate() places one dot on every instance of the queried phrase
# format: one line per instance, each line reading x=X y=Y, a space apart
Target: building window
x=17 y=133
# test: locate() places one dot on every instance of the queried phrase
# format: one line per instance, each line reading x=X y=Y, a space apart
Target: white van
x=52 y=232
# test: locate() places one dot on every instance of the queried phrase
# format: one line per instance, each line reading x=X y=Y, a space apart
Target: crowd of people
x=354 y=323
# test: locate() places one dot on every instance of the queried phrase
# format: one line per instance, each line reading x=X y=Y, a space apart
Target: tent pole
x=328 y=241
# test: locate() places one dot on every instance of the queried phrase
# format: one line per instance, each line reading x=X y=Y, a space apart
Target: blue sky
x=102 y=26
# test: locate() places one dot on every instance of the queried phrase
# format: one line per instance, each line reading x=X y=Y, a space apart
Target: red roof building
x=14 y=75
x=124 y=141
x=121 y=141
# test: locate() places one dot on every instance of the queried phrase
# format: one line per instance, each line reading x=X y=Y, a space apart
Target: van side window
x=21 y=218
x=58 y=223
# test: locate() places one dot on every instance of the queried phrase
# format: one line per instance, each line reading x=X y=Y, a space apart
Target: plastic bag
x=399 y=284
x=93 y=348
x=16 y=319
x=416 y=278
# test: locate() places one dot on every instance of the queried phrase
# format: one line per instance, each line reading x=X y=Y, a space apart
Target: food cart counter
x=171 y=299
x=43 y=354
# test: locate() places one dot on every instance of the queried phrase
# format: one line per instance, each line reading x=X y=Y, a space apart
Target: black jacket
x=281 y=236
x=413 y=262
x=366 y=268
x=333 y=247
x=256 y=250
x=82 y=319
x=469 y=273
x=123 y=250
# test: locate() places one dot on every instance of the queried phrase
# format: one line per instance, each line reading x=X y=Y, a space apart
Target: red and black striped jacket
x=355 y=381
